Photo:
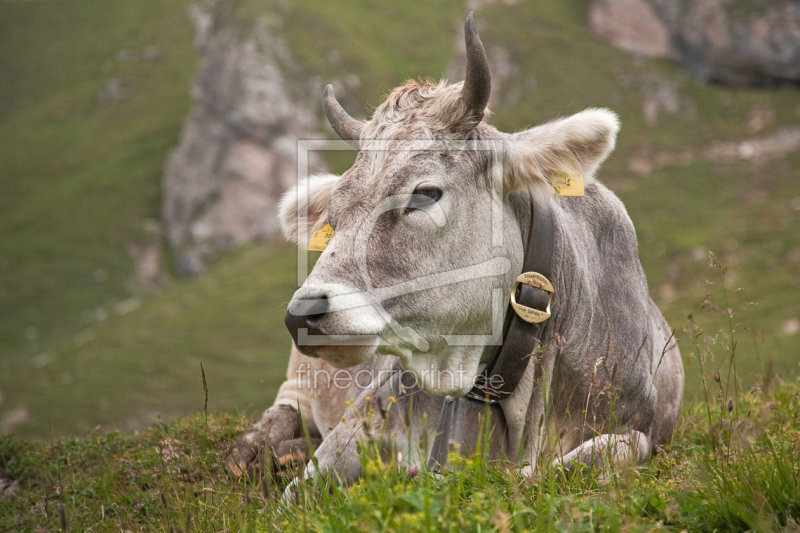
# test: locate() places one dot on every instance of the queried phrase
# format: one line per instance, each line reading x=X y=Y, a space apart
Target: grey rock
x=12 y=418
x=8 y=487
x=151 y=53
x=738 y=42
x=659 y=95
x=114 y=89
x=126 y=55
x=763 y=148
x=631 y=25
x=237 y=151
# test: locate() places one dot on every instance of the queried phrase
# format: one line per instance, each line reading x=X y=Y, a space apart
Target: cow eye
x=423 y=197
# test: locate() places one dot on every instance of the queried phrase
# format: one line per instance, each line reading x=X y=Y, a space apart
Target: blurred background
x=143 y=146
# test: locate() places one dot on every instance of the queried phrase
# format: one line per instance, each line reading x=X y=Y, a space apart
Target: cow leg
x=400 y=420
x=527 y=412
x=281 y=422
x=668 y=377
x=610 y=449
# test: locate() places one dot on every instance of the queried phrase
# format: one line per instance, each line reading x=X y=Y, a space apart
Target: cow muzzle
x=335 y=323
x=306 y=314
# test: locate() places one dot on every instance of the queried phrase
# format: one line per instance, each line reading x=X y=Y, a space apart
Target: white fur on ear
x=581 y=141
x=309 y=196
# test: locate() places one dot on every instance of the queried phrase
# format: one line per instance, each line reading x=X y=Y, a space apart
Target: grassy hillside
x=79 y=182
x=79 y=178
x=727 y=470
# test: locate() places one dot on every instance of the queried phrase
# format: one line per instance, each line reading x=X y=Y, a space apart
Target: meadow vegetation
x=731 y=467
x=81 y=346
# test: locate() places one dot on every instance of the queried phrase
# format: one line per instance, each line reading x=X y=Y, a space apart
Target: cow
x=428 y=224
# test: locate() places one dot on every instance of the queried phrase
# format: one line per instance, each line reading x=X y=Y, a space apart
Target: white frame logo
x=494 y=267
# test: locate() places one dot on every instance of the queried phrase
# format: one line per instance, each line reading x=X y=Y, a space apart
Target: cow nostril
x=318 y=310
x=306 y=314
x=312 y=310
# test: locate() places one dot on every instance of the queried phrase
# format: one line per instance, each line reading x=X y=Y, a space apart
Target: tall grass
x=750 y=474
x=172 y=475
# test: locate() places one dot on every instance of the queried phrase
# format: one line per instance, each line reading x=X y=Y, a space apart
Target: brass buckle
x=528 y=314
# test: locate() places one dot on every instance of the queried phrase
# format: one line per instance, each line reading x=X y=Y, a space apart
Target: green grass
x=730 y=471
x=79 y=181
x=154 y=366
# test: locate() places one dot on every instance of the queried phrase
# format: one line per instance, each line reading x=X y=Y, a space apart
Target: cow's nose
x=308 y=314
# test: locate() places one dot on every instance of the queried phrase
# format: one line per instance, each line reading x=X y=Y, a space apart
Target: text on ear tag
x=319 y=240
x=567 y=183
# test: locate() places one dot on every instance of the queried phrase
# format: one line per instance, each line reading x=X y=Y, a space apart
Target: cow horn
x=478 y=81
x=348 y=128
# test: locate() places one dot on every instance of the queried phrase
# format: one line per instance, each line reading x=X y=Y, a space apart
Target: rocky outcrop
x=659 y=95
x=237 y=151
x=739 y=42
x=759 y=151
x=630 y=25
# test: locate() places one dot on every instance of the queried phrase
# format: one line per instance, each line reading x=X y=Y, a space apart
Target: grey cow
x=430 y=224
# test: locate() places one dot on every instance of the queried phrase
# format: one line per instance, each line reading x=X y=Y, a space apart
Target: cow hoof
x=236 y=467
x=257 y=447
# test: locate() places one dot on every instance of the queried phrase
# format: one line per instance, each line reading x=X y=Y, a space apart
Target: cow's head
x=428 y=222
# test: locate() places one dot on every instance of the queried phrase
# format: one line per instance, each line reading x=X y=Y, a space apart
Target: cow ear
x=580 y=142
x=306 y=204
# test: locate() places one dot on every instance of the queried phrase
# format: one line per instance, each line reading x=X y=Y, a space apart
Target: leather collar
x=520 y=338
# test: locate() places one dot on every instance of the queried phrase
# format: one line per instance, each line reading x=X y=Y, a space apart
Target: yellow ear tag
x=319 y=240
x=567 y=183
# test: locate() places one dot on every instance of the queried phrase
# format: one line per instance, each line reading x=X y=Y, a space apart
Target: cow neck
x=520 y=338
